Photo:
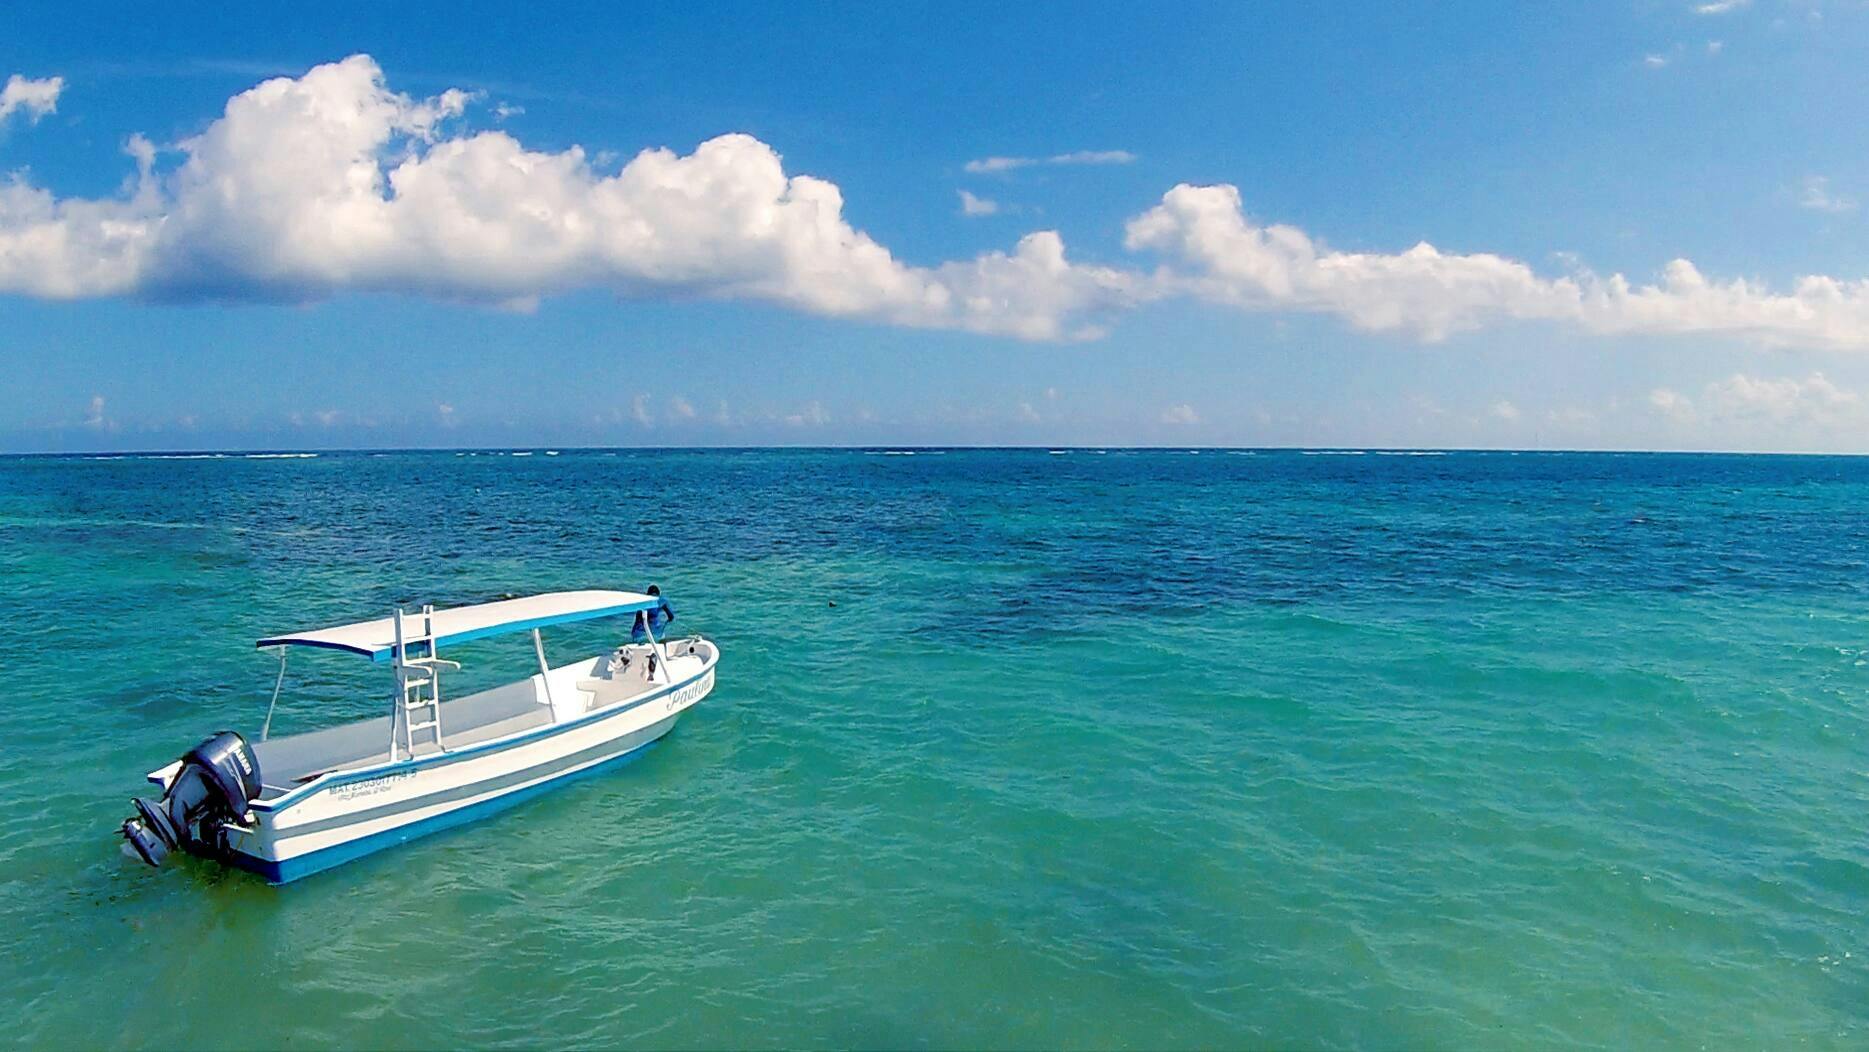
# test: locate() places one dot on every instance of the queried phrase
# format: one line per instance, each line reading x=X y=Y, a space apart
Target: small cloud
x=976 y=206
x=1093 y=157
x=1027 y=414
x=37 y=98
x=722 y=416
x=1504 y=410
x=1654 y=61
x=143 y=152
x=1671 y=404
x=94 y=417
x=502 y=111
x=1744 y=401
x=1817 y=196
x=812 y=415
x=639 y=411
x=445 y=413
x=1573 y=417
x=1051 y=394
x=995 y=165
x=990 y=165
x=680 y=408
x=1813 y=398
x=1714 y=47
x=1720 y=7
x=1180 y=415
x=321 y=417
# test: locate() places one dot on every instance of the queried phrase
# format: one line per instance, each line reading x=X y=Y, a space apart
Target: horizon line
x=238 y=451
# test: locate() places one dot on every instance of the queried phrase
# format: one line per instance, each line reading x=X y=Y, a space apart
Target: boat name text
x=372 y=786
x=690 y=694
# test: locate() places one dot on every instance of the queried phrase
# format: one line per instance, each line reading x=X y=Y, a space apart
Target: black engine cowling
x=217 y=780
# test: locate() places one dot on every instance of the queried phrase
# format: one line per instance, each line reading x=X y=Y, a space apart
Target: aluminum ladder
x=418 y=680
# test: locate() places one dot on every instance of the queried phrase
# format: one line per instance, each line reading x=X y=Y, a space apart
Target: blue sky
x=393 y=246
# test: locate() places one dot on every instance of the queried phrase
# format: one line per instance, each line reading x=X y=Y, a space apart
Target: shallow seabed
x=1103 y=749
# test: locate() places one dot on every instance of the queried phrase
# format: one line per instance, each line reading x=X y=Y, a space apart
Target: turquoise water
x=1093 y=750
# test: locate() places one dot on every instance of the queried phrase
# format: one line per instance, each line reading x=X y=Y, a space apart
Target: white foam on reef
x=1059 y=452
x=158 y=456
x=522 y=453
x=551 y=452
x=202 y=456
x=1334 y=452
x=1411 y=452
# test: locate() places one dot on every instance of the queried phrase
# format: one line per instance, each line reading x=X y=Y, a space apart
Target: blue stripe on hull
x=291 y=869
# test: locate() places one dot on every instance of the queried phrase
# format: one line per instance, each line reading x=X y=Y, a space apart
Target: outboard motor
x=217 y=780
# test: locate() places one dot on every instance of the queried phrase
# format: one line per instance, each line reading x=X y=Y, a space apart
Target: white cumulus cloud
x=313 y=186
x=330 y=182
x=1180 y=414
x=35 y=98
x=1812 y=398
x=1743 y=398
x=1217 y=253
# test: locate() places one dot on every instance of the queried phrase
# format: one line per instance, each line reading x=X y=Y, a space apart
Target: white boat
x=292 y=806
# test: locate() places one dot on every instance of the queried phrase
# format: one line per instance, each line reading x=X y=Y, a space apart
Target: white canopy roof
x=376 y=639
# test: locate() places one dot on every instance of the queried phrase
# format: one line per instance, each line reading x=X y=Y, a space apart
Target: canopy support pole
x=397 y=707
x=545 y=671
x=656 y=647
x=277 y=684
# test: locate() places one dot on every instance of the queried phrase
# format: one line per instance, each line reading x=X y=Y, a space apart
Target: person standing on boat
x=654 y=620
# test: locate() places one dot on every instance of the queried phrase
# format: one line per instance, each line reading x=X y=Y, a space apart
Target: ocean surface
x=1010 y=748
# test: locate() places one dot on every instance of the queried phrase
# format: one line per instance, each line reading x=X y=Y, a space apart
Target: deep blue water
x=1095 y=749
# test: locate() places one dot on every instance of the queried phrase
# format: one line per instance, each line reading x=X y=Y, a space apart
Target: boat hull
x=341 y=817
